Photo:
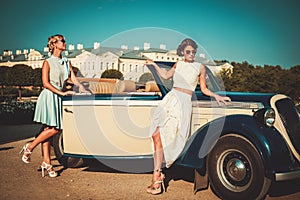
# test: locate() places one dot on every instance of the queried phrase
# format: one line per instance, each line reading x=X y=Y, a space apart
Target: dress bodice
x=186 y=75
x=59 y=71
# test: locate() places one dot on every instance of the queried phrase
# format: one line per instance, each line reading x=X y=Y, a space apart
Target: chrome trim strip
x=110 y=157
x=233 y=105
x=284 y=176
x=126 y=102
x=111 y=103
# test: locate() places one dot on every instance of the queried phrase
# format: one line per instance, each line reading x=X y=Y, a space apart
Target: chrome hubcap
x=234 y=170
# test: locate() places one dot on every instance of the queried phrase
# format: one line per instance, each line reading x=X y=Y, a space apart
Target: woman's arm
x=47 y=84
x=162 y=73
x=206 y=91
x=75 y=81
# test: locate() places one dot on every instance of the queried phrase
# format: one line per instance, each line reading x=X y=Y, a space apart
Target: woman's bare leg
x=158 y=150
x=46 y=164
x=158 y=159
x=43 y=136
x=46 y=150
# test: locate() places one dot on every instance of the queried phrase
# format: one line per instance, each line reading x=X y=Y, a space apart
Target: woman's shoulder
x=52 y=57
x=198 y=65
x=49 y=58
x=180 y=63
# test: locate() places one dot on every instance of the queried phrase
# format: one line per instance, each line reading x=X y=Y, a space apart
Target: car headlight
x=266 y=116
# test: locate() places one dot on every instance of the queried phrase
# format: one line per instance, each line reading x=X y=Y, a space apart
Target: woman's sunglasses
x=62 y=40
x=193 y=52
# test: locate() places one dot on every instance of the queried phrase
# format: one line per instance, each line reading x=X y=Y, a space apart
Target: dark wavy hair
x=186 y=42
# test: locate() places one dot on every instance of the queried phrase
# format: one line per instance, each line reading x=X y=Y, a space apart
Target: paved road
x=93 y=181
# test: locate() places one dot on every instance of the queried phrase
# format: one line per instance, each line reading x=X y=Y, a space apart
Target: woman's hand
x=149 y=62
x=222 y=100
x=82 y=89
x=68 y=93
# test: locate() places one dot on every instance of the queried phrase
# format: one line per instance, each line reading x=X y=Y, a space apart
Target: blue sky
x=257 y=31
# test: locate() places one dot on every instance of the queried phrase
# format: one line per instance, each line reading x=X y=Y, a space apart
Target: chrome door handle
x=68 y=111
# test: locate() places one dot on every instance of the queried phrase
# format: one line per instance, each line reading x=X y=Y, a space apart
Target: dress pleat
x=48 y=109
x=172 y=117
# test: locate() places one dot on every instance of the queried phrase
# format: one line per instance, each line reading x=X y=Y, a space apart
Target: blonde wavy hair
x=53 y=39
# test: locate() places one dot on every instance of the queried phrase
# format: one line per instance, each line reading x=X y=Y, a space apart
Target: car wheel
x=236 y=170
x=59 y=149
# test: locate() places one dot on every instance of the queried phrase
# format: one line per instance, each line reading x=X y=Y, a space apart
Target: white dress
x=173 y=113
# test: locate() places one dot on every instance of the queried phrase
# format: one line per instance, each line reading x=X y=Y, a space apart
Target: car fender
x=267 y=140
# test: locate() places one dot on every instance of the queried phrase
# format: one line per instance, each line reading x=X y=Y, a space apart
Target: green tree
x=266 y=79
x=21 y=76
x=4 y=71
x=146 y=77
x=112 y=73
x=242 y=74
x=77 y=72
x=291 y=83
x=37 y=77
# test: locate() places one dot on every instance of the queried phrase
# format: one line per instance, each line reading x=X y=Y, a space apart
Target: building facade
x=92 y=62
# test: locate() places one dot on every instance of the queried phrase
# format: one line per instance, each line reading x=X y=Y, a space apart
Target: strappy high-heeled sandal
x=26 y=154
x=161 y=188
x=157 y=190
x=49 y=169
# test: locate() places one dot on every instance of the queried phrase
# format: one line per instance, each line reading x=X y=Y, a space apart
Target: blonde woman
x=171 y=121
x=55 y=70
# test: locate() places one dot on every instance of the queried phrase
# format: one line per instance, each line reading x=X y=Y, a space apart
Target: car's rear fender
x=268 y=142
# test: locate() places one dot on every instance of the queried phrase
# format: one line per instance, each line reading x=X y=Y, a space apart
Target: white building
x=92 y=62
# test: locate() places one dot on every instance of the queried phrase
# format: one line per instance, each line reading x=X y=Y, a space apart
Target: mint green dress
x=48 y=109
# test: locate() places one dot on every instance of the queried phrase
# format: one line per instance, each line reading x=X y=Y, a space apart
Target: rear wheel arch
x=59 y=152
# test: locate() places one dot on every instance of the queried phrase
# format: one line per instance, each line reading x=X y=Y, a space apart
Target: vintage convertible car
x=239 y=149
